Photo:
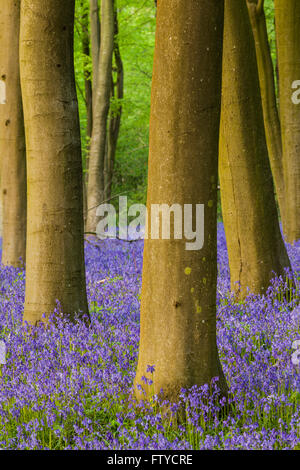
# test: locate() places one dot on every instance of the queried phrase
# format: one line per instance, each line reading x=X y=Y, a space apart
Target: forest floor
x=69 y=386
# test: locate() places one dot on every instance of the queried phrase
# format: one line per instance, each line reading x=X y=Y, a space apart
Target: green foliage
x=136 y=41
x=269 y=12
x=83 y=65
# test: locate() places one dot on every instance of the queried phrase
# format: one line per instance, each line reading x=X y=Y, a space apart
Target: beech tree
x=85 y=38
x=117 y=94
x=95 y=38
x=178 y=305
x=287 y=15
x=101 y=102
x=255 y=245
x=269 y=100
x=54 y=252
x=84 y=35
x=12 y=138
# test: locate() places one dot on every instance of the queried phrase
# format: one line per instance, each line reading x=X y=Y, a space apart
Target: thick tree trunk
x=287 y=14
x=115 y=115
x=178 y=310
x=254 y=241
x=12 y=139
x=101 y=101
x=268 y=95
x=55 y=257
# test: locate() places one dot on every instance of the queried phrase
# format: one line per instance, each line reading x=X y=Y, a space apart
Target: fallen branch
x=112 y=238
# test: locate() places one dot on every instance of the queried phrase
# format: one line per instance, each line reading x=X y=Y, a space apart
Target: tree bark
x=255 y=246
x=55 y=256
x=12 y=138
x=287 y=14
x=85 y=38
x=95 y=38
x=96 y=189
x=115 y=114
x=87 y=79
x=268 y=95
x=178 y=308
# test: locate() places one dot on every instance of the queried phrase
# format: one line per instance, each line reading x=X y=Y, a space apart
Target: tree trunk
x=12 y=139
x=95 y=38
x=101 y=103
x=87 y=79
x=178 y=308
x=268 y=95
x=85 y=38
x=254 y=241
x=115 y=115
x=55 y=256
x=287 y=14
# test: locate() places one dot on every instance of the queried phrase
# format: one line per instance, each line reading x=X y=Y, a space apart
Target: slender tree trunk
x=178 y=310
x=115 y=114
x=95 y=38
x=95 y=51
x=12 y=139
x=55 y=257
x=287 y=14
x=276 y=70
x=268 y=95
x=254 y=241
x=87 y=80
x=85 y=38
x=100 y=115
